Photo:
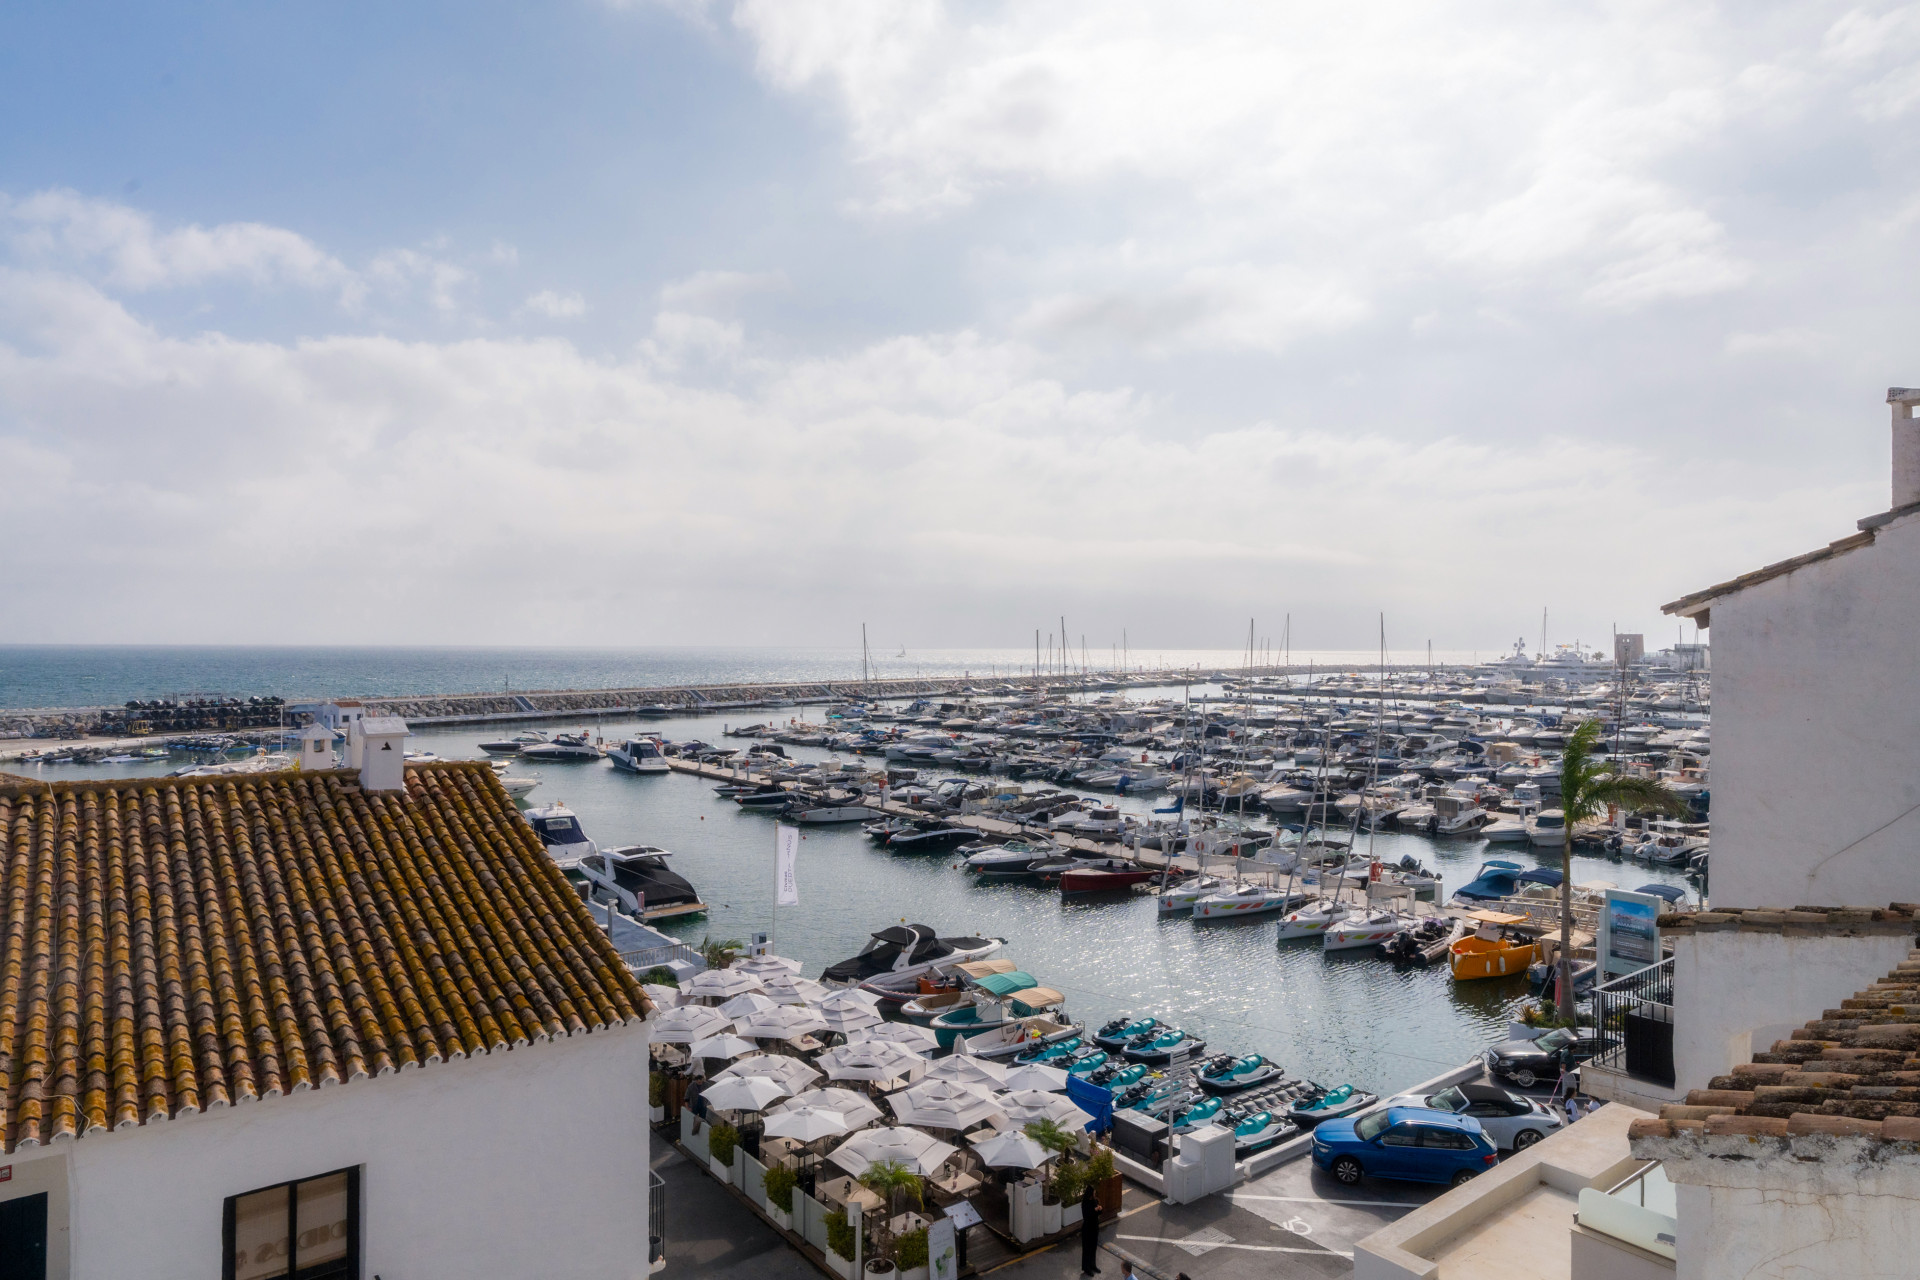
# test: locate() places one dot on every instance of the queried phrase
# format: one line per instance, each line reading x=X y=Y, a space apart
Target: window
x=1368 y=1127
x=306 y=1230
x=1447 y=1139
x=1401 y=1136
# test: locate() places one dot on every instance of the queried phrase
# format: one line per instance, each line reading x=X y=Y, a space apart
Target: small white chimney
x=382 y=754
x=316 y=747
x=1906 y=446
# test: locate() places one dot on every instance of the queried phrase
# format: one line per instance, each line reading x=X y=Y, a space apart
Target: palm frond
x=1631 y=792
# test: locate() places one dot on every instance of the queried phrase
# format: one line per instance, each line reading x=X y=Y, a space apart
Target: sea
x=1339 y=1018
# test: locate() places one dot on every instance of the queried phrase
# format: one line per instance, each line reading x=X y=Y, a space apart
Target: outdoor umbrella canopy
x=1024 y=1105
x=795 y=990
x=1011 y=1151
x=1035 y=1075
x=750 y=1003
x=849 y=997
x=943 y=1104
x=721 y=984
x=964 y=1070
x=748 y=1093
x=688 y=1023
x=721 y=1046
x=847 y=1019
x=767 y=966
x=920 y=1153
x=806 y=1124
x=787 y=1022
x=905 y=1035
x=878 y=1061
x=791 y=1072
x=857 y=1108
x=663 y=997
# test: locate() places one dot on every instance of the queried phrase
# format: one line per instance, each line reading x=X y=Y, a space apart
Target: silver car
x=1513 y=1121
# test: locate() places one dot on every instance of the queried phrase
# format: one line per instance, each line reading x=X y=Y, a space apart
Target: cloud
x=555 y=306
x=708 y=291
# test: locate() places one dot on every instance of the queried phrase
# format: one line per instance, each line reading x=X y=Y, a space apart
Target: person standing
x=1089 y=1233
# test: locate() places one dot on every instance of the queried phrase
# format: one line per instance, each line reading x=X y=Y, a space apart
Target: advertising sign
x=1629 y=937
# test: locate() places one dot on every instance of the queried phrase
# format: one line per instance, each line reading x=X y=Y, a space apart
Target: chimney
x=316 y=747
x=1906 y=446
x=382 y=752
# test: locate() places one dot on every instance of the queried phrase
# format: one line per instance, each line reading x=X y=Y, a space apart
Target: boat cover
x=977 y=969
x=1005 y=984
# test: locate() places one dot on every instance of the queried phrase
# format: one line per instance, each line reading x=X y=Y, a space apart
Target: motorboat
x=773 y=796
x=1456 y=814
x=1228 y=1074
x=638 y=881
x=1495 y=949
x=1495 y=879
x=1244 y=901
x=1161 y=1045
x=1002 y=996
x=565 y=748
x=1311 y=920
x=1022 y=1039
x=1182 y=894
x=1504 y=830
x=928 y=837
x=1422 y=943
x=906 y=951
x=515 y=786
x=1320 y=1105
x=515 y=745
x=1012 y=860
x=824 y=815
x=1547 y=829
x=934 y=989
x=1115 y=1034
x=1367 y=929
x=639 y=755
x=559 y=830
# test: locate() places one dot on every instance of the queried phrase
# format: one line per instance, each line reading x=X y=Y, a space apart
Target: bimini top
x=1005 y=984
x=174 y=945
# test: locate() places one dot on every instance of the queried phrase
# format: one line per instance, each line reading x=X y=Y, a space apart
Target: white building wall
x=526 y=1164
x=1736 y=993
x=1816 y=732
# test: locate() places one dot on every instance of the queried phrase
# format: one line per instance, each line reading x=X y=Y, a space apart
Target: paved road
x=712 y=1235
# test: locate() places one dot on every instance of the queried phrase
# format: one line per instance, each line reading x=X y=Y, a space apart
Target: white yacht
x=559 y=830
x=1547 y=829
x=515 y=745
x=639 y=755
x=516 y=787
x=1504 y=830
x=637 y=880
x=566 y=748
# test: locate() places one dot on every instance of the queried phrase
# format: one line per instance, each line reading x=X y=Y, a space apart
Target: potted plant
x=721 y=1140
x=656 y=1097
x=894 y=1183
x=779 y=1182
x=1068 y=1185
x=839 y=1241
x=1107 y=1182
x=1050 y=1135
x=910 y=1254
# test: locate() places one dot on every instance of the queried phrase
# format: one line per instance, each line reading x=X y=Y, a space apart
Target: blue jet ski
x=1156 y=1047
x=1329 y=1104
x=1257 y=1130
x=1228 y=1074
x=1087 y=1061
x=1199 y=1113
x=1114 y=1036
x=1116 y=1076
x=1052 y=1054
x=1149 y=1094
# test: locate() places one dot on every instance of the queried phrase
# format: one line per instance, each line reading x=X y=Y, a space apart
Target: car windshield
x=1448 y=1100
x=1555 y=1040
x=1372 y=1126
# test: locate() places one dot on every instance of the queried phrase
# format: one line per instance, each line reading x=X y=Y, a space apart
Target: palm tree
x=890 y=1180
x=1587 y=787
x=1056 y=1138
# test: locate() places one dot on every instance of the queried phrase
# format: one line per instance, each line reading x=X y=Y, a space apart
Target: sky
x=750 y=321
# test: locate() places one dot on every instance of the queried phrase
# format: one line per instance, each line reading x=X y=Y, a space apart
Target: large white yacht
x=639 y=755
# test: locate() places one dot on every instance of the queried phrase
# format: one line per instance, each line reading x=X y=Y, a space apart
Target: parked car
x=1528 y=1062
x=1415 y=1144
x=1513 y=1121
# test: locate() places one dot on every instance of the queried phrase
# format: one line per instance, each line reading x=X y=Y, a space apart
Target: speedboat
x=1504 y=831
x=1368 y=929
x=1329 y=1104
x=1310 y=921
x=1114 y=1035
x=515 y=745
x=1181 y=895
x=559 y=830
x=1497 y=879
x=1157 y=1047
x=1242 y=901
x=639 y=755
x=1013 y=860
x=638 y=881
x=1228 y=1074
x=1547 y=829
x=927 y=837
x=566 y=748
x=515 y=787
x=906 y=951
x=1023 y=1039
x=822 y=815
x=1493 y=950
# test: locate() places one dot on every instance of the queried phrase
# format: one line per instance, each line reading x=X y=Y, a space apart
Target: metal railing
x=650 y=957
x=1634 y=1015
x=656 y=1217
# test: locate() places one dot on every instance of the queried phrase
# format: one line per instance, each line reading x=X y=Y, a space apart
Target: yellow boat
x=1489 y=951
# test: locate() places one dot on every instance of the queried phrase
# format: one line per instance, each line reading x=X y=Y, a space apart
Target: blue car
x=1415 y=1144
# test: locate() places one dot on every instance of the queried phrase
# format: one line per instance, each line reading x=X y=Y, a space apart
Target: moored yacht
x=637 y=879
x=906 y=951
x=559 y=830
x=566 y=748
x=639 y=755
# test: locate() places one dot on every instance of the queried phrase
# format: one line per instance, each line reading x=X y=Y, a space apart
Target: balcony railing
x=656 y=1219
x=1635 y=1015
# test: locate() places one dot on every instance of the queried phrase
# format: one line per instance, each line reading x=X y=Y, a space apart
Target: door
x=23 y=1238
x=1399 y=1153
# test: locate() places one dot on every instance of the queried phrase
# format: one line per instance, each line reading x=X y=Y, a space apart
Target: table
x=846 y=1191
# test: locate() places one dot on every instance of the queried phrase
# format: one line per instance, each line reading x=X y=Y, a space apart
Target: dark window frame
x=349 y=1266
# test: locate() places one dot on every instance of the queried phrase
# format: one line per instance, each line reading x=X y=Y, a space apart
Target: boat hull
x=1489 y=960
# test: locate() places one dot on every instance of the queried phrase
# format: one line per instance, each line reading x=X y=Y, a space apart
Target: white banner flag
x=787 y=852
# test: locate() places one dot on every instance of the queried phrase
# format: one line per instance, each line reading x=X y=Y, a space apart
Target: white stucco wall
x=527 y=1164
x=1734 y=994
x=1816 y=732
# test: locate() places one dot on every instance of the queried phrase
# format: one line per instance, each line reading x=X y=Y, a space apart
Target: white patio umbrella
x=752 y=1002
x=721 y=984
x=919 y=1152
x=663 y=996
x=847 y=996
x=796 y=990
x=791 y=1072
x=1036 y=1075
x=1035 y=1104
x=688 y=1023
x=806 y=1124
x=914 y=1039
x=749 y=1093
x=787 y=1022
x=872 y=1061
x=965 y=1070
x=849 y=1018
x=721 y=1046
x=944 y=1104
x=767 y=966
x=857 y=1108
x=1013 y=1150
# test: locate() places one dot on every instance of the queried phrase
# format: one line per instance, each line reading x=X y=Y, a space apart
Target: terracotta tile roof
x=1853 y=1071
x=172 y=945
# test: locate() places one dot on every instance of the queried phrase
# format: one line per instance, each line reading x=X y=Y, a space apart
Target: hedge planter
x=781 y=1218
x=720 y=1171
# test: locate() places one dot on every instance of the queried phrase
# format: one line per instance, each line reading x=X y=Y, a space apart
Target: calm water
x=1332 y=1018
x=108 y=675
